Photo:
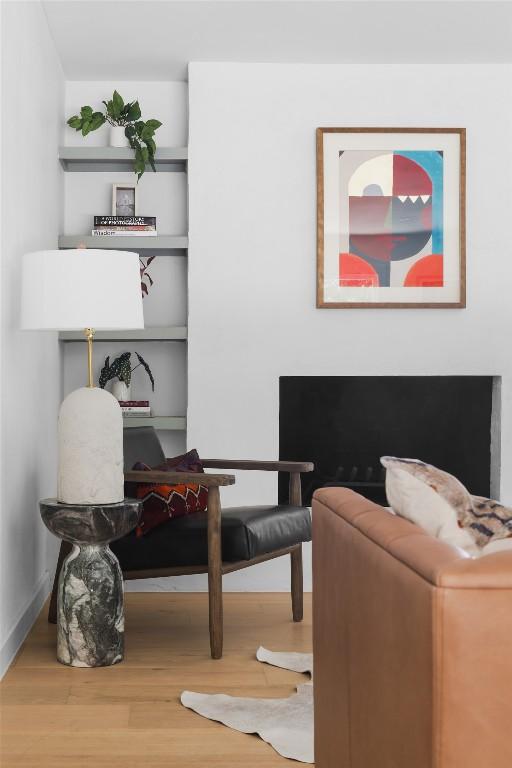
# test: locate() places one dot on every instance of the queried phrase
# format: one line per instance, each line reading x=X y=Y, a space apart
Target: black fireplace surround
x=345 y=423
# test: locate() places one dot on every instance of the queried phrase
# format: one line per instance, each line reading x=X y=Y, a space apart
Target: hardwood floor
x=129 y=715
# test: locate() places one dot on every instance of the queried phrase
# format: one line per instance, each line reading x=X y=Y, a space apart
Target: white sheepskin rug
x=285 y=724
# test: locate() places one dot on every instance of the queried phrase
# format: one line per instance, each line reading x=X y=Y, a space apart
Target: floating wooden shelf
x=158 y=422
x=160 y=245
x=167 y=333
x=119 y=159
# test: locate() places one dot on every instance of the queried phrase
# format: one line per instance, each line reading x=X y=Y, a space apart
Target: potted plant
x=126 y=129
x=121 y=369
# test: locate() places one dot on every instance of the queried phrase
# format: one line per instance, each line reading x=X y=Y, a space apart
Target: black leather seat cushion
x=246 y=533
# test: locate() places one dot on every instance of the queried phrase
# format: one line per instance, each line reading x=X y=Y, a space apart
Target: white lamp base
x=90 y=448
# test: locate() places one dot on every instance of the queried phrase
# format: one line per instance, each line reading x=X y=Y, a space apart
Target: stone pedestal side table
x=90 y=612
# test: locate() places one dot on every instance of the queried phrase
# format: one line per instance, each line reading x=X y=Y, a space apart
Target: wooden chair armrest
x=265 y=466
x=178 y=478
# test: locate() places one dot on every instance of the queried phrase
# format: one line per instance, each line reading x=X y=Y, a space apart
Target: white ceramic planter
x=121 y=391
x=117 y=137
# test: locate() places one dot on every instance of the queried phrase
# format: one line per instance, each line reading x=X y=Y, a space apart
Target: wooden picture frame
x=381 y=255
x=121 y=207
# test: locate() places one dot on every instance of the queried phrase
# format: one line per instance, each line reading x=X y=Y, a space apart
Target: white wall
x=32 y=103
x=252 y=315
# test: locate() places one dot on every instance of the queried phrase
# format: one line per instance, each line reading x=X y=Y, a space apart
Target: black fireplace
x=345 y=423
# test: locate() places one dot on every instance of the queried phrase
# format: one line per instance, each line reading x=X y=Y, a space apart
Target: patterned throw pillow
x=161 y=502
x=440 y=504
x=490 y=520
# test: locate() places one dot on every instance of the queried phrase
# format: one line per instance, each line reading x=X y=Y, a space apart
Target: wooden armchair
x=216 y=542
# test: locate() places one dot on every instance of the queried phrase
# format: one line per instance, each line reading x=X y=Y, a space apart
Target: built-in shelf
x=167 y=159
x=161 y=244
x=119 y=158
x=167 y=333
x=158 y=422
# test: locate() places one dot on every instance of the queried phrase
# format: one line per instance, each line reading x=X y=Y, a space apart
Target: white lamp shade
x=70 y=290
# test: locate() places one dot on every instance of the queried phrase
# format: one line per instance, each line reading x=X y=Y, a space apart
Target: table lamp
x=86 y=289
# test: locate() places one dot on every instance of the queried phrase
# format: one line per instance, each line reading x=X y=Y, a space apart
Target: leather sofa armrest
x=439 y=563
x=492 y=571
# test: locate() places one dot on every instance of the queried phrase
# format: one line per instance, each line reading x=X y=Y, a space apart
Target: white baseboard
x=24 y=624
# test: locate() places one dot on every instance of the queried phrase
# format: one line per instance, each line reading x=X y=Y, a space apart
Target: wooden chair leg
x=215 y=572
x=65 y=549
x=297 y=584
x=295 y=494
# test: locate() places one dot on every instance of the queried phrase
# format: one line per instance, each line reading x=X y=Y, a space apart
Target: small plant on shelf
x=139 y=133
x=121 y=368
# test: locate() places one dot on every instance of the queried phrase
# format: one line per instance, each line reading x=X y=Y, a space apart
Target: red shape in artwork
x=426 y=273
x=409 y=178
x=355 y=272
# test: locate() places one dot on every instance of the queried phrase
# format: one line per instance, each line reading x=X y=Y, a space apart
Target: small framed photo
x=124 y=199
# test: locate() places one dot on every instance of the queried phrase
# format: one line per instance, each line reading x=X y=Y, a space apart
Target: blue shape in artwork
x=373 y=189
x=432 y=162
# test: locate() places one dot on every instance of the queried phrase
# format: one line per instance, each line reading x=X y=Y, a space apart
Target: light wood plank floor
x=129 y=715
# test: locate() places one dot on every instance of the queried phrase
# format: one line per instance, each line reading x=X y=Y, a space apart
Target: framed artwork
x=124 y=199
x=391 y=217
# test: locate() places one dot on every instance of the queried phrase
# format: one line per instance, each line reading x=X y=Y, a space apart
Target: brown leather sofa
x=412 y=644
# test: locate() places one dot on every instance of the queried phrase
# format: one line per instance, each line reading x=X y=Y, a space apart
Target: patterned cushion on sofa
x=161 y=502
x=440 y=504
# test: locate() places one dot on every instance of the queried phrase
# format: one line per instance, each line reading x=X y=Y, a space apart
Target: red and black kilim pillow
x=161 y=502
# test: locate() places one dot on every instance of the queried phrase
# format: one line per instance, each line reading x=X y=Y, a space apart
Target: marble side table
x=90 y=613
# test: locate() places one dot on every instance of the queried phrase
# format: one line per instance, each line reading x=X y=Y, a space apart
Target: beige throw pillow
x=413 y=497
x=440 y=504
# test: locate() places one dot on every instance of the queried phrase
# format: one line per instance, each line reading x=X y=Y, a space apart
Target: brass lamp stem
x=89 y=335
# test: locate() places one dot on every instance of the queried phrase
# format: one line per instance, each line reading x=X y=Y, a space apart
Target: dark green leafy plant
x=119 y=113
x=87 y=121
x=139 y=133
x=121 y=369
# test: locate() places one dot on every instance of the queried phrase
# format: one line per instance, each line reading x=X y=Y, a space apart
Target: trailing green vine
x=140 y=133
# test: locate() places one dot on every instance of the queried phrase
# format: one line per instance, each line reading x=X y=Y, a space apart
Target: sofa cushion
x=490 y=521
x=440 y=504
x=246 y=533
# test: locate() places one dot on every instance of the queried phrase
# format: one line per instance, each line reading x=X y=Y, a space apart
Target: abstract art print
x=391 y=217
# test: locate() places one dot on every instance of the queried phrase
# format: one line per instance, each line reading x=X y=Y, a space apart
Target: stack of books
x=135 y=407
x=144 y=226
